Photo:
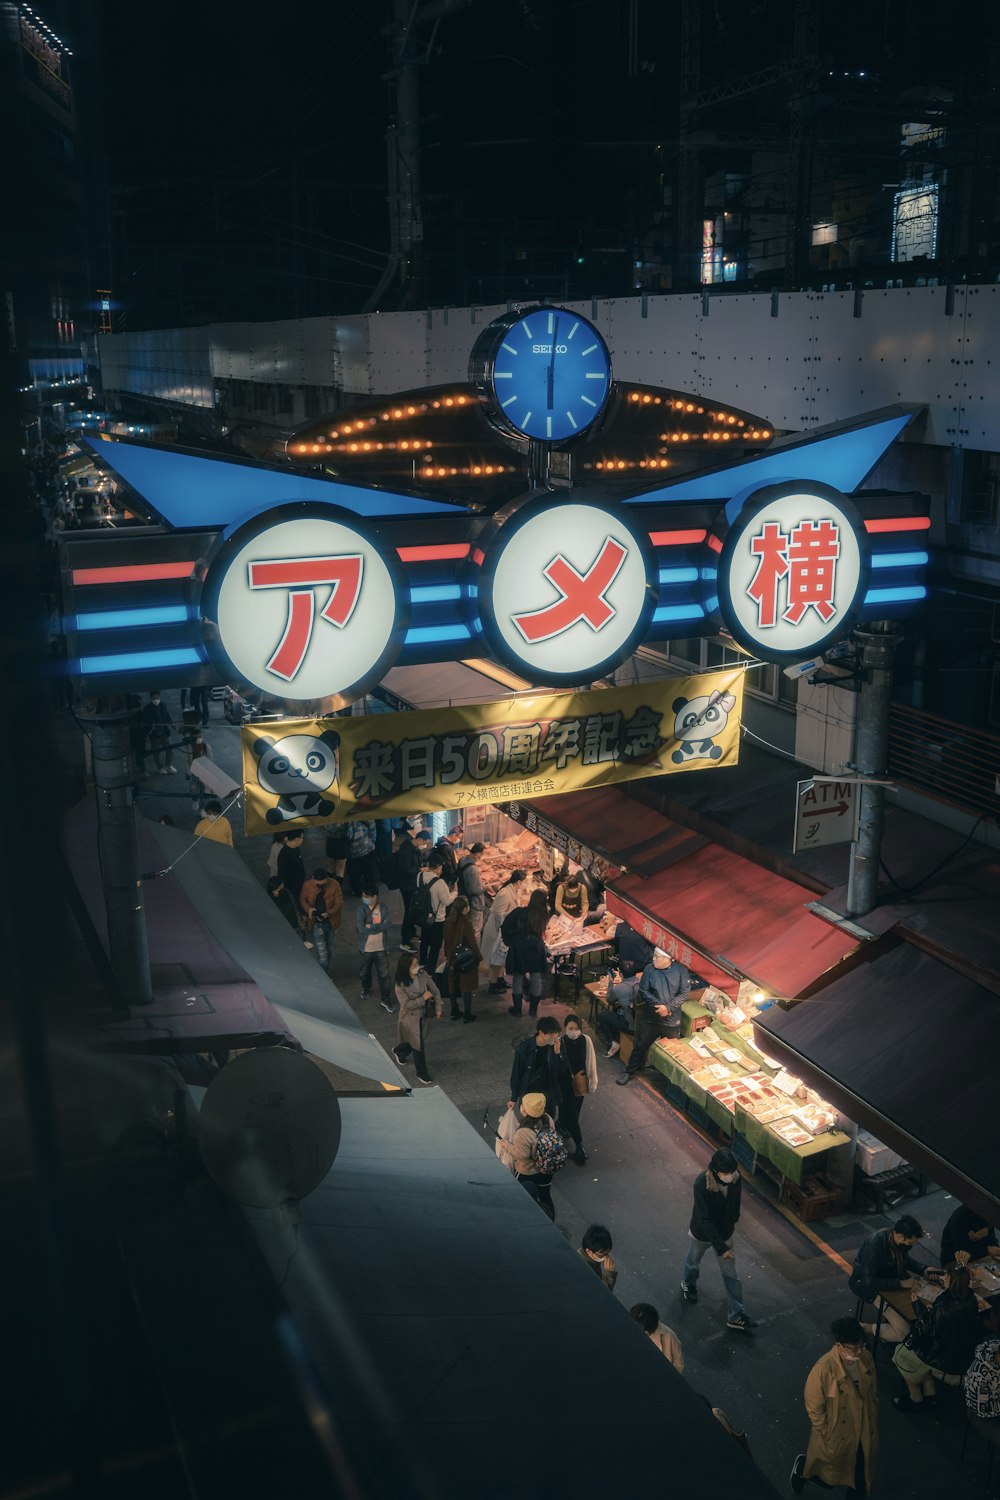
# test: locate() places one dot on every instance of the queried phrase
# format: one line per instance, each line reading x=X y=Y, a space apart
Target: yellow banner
x=302 y=773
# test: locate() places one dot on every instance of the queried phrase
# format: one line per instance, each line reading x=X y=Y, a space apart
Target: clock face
x=550 y=375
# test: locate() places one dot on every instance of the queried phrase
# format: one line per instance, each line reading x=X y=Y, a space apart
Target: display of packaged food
x=681 y=1053
x=787 y=1083
x=791 y=1133
x=731 y=1055
x=814 y=1118
x=697 y=1045
x=714 y=1073
x=734 y=1018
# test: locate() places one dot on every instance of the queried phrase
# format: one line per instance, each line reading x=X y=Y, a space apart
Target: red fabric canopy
x=717 y=903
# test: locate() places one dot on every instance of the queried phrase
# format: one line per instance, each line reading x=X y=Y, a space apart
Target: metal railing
x=954 y=762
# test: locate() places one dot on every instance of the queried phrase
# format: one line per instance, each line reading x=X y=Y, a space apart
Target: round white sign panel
x=794 y=573
x=306 y=608
x=569 y=591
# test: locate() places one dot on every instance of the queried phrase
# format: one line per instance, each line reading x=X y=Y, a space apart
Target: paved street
x=643 y=1158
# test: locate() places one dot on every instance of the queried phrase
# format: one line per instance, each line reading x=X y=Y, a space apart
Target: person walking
x=579 y=1080
x=416 y=994
x=371 y=921
x=213 y=826
x=462 y=957
x=362 y=874
x=198 y=747
x=494 y=947
x=283 y=901
x=290 y=867
x=338 y=847
x=322 y=902
x=436 y=902
x=658 y=999
x=277 y=844
x=523 y=1151
x=469 y=885
x=408 y=866
x=716 y=1211
x=595 y=1249
x=158 y=722
x=841 y=1399
x=664 y=1338
x=538 y=1066
x=522 y=931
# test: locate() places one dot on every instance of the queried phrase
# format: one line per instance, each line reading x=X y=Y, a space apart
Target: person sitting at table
x=941 y=1343
x=881 y=1266
x=617 y=1016
x=571 y=899
x=967 y=1234
x=659 y=996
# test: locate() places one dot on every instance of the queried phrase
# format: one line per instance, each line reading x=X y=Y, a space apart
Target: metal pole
x=119 y=853
x=871 y=754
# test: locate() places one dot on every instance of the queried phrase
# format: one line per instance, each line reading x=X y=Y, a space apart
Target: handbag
x=579 y=1084
x=464 y=960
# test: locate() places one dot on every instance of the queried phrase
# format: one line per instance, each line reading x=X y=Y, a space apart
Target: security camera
x=802 y=668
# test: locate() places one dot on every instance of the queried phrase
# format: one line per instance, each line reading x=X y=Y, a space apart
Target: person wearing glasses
x=841 y=1399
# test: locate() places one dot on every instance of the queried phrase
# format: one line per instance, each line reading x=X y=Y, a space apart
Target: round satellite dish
x=269 y=1127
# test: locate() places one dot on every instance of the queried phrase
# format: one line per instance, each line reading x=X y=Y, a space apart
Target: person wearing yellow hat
x=522 y=1151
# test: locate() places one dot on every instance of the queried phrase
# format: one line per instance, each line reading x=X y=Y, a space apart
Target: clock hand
x=551 y=374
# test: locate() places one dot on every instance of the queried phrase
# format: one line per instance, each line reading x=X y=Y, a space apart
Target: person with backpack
x=662 y=991
x=448 y=848
x=493 y=945
x=471 y=887
x=362 y=871
x=534 y=1152
x=463 y=958
x=322 y=902
x=538 y=1065
x=526 y=951
x=429 y=908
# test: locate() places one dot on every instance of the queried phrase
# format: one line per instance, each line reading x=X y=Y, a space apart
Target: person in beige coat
x=841 y=1398
x=419 y=1002
x=658 y=1333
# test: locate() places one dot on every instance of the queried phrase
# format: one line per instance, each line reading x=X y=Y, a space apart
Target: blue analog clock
x=545 y=373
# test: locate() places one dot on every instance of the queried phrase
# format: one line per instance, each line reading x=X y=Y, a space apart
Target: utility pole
x=871 y=754
x=119 y=854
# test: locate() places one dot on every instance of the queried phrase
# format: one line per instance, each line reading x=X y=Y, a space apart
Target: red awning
x=736 y=916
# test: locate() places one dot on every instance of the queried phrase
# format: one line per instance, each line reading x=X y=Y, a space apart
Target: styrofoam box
x=873 y=1157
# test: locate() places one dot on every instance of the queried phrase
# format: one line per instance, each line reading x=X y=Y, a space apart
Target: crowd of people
x=462 y=945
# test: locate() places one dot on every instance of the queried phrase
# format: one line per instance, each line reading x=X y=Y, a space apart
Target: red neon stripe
x=675 y=538
x=434 y=554
x=143 y=573
x=900 y=523
x=714 y=543
x=479 y=557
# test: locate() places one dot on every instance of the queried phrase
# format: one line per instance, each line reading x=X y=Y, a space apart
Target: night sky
x=245 y=154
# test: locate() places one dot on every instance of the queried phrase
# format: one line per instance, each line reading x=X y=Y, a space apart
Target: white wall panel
x=399 y=344
x=353 y=355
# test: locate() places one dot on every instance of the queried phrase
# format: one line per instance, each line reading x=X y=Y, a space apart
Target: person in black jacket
x=942 y=1343
x=538 y=1066
x=526 y=952
x=881 y=1266
x=409 y=863
x=283 y=901
x=291 y=868
x=633 y=950
x=716 y=1211
x=967 y=1234
x=448 y=848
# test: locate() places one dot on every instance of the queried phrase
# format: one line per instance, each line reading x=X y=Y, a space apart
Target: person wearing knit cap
x=662 y=991
x=536 y=1183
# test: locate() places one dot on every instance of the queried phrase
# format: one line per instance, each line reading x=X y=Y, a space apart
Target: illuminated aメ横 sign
x=793 y=571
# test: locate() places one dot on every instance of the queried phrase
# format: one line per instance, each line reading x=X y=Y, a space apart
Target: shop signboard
x=314 y=771
x=529 y=819
x=793 y=571
x=826 y=812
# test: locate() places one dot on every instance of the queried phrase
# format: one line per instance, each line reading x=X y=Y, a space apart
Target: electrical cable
x=158 y=874
x=907 y=890
x=288 y=1263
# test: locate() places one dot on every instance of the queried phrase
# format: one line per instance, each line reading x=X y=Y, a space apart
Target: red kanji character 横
x=813 y=549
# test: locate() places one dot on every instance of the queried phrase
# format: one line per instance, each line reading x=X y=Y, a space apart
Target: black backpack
x=421 y=904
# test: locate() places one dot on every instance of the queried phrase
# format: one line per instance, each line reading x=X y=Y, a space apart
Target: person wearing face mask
x=884 y=1264
x=841 y=1398
x=372 y=922
x=717 y=1193
x=419 y=1001
x=662 y=991
x=579 y=1080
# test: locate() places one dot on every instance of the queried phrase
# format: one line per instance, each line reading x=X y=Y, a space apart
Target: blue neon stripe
x=895 y=596
x=677 y=612
x=423 y=634
x=435 y=595
x=900 y=559
x=709 y=573
x=678 y=575
x=123 y=619
x=137 y=661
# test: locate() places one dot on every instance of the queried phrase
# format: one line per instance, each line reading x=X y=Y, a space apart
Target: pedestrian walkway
x=643 y=1159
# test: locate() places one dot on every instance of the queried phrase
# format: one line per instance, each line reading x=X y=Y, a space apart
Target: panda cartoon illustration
x=696 y=723
x=298 y=769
